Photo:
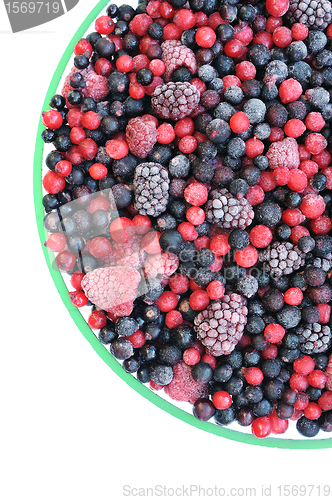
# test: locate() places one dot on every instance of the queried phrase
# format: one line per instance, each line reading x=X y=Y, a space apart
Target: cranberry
x=304 y=365
x=222 y=400
x=261 y=427
x=199 y=300
x=274 y=333
x=313 y=411
x=52 y=119
x=260 y=236
x=253 y=375
x=191 y=356
x=78 y=298
x=205 y=37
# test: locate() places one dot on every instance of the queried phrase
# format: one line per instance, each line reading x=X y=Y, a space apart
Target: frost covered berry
x=141 y=135
x=175 y=100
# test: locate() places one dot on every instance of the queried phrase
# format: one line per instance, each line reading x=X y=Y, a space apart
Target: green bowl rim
x=78 y=318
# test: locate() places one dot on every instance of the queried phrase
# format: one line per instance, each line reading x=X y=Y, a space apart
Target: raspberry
x=151 y=183
x=175 y=55
x=161 y=265
x=175 y=100
x=328 y=373
x=284 y=153
x=141 y=135
x=221 y=325
x=183 y=387
x=112 y=289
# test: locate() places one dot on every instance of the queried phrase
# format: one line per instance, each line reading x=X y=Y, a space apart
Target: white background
x=70 y=428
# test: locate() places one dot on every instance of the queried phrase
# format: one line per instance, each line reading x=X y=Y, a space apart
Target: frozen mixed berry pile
x=188 y=200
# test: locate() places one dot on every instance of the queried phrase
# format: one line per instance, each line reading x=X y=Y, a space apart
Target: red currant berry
x=78 y=298
x=52 y=119
x=261 y=427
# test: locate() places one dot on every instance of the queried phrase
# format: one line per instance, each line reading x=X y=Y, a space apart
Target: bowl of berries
x=182 y=184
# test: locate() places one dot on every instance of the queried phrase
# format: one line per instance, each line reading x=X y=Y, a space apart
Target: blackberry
x=314 y=338
x=224 y=210
x=174 y=100
x=221 y=325
x=315 y=15
x=324 y=263
x=151 y=184
x=281 y=258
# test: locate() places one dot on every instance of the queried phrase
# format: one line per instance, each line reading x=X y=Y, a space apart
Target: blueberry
x=121 y=349
x=306 y=427
x=202 y=372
